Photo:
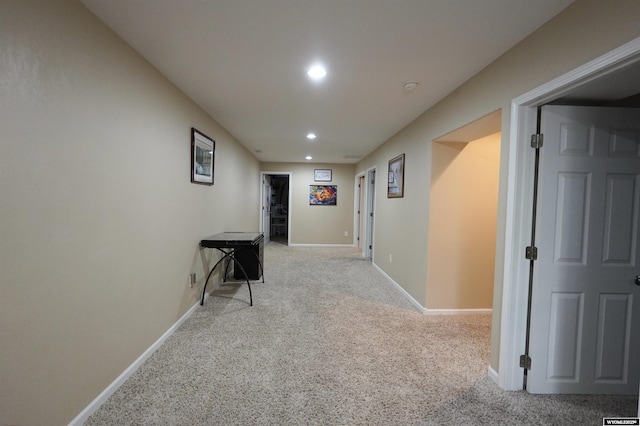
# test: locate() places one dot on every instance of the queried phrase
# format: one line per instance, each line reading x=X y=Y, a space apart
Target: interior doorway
x=360 y=213
x=583 y=312
x=463 y=217
x=275 y=208
x=370 y=202
x=609 y=79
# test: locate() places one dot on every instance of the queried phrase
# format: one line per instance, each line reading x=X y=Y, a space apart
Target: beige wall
x=99 y=224
x=462 y=224
x=319 y=224
x=584 y=31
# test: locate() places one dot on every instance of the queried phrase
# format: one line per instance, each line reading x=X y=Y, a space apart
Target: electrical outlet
x=346 y=233
x=192 y=280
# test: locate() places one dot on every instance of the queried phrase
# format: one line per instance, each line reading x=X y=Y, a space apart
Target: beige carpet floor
x=330 y=342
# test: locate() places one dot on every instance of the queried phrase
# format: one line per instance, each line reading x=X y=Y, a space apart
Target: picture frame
x=395 y=185
x=323 y=195
x=322 y=175
x=203 y=150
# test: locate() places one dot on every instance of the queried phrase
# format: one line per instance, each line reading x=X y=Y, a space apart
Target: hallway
x=330 y=341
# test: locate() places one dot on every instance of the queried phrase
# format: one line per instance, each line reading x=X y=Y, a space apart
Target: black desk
x=243 y=248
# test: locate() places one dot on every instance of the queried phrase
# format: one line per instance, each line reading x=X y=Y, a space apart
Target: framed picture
x=203 y=150
x=322 y=175
x=395 y=188
x=323 y=195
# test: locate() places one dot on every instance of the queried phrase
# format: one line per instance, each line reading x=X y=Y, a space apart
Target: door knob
x=637 y=280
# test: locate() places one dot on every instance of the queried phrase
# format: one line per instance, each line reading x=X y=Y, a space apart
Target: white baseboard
x=321 y=245
x=457 y=311
x=402 y=290
x=431 y=311
x=102 y=398
x=493 y=375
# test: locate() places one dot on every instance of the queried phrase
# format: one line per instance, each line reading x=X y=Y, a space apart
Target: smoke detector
x=409 y=85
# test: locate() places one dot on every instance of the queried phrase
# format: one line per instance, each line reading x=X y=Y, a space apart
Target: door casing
x=262 y=195
x=519 y=196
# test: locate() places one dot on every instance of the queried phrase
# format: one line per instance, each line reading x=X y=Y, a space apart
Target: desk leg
x=226 y=267
x=246 y=277
x=229 y=255
x=204 y=290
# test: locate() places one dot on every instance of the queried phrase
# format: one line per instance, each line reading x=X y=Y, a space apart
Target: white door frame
x=519 y=199
x=289 y=209
x=358 y=195
x=370 y=203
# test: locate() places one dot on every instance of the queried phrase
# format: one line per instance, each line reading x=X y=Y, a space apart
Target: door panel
x=565 y=336
x=584 y=328
x=572 y=217
x=621 y=219
x=614 y=335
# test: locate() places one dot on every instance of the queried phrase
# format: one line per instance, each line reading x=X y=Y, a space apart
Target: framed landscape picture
x=395 y=188
x=202 y=158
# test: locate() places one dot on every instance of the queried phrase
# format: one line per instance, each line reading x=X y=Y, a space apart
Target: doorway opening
x=609 y=77
x=275 y=221
x=586 y=240
x=463 y=217
x=365 y=184
x=359 y=223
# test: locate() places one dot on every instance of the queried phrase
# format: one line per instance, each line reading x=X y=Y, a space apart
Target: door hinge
x=537 y=140
x=531 y=253
x=525 y=362
x=370 y=247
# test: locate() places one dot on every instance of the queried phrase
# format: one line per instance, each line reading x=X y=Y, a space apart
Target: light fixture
x=409 y=85
x=308 y=157
x=311 y=136
x=317 y=72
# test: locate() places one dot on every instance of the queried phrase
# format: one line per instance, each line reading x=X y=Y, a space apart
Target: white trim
x=431 y=311
x=518 y=215
x=119 y=381
x=458 y=311
x=493 y=374
x=370 y=214
x=289 y=205
x=356 y=204
x=322 y=245
x=402 y=290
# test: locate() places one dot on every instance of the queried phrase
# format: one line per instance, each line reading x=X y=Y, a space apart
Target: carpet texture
x=330 y=342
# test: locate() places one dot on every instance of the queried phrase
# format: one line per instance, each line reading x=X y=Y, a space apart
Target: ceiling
x=245 y=61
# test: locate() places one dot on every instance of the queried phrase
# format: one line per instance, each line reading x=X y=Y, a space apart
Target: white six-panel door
x=585 y=324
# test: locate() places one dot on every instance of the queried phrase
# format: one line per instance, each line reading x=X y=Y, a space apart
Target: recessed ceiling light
x=308 y=157
x=317 y=72
x=311 y=136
